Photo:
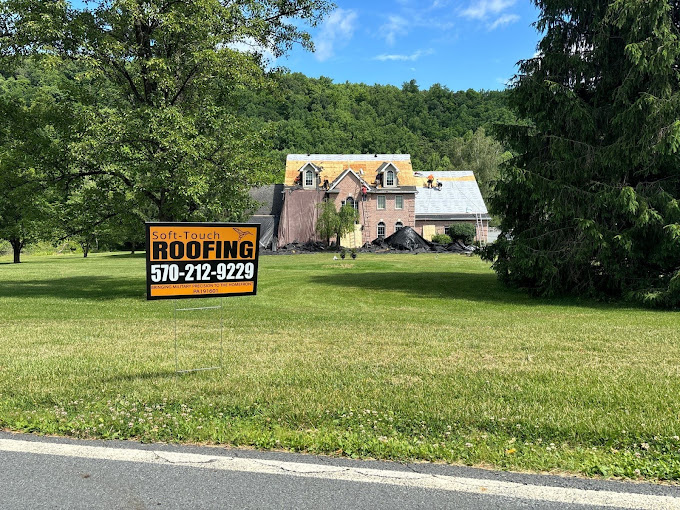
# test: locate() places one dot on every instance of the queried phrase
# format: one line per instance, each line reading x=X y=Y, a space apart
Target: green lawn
x=388 y=356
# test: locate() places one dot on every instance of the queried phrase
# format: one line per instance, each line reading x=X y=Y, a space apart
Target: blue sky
x=461 y=44
x=458 y=43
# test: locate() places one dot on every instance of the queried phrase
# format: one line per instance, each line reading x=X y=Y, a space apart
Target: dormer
x=309 y=176
x=387 y=175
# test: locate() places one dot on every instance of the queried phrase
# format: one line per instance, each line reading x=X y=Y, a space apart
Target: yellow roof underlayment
x=333 y=165
x=422 y=181
x=332 y=169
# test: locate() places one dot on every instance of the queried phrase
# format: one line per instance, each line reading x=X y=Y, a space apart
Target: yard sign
x=193 y=260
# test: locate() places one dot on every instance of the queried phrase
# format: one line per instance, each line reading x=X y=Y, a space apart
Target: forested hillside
x=441 y=129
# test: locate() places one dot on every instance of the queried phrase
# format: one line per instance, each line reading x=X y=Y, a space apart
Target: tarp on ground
x=299 y=215
x=459 y=247
x=406 y=239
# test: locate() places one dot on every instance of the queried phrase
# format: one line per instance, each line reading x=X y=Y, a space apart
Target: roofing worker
x=364 y=191
x=430 y=180
x=439 y=185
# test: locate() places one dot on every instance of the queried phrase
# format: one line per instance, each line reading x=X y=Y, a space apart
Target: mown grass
x=388 y=356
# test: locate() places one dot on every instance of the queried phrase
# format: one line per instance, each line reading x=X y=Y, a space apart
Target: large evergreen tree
x=590 y=204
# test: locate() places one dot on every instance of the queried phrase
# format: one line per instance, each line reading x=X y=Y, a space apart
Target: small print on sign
x=189 y=260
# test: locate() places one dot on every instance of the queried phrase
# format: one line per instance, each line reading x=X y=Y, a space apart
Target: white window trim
x=307 y=173
x=384 y=227
x=396 y=202
x=394 y=179
x=384 y=199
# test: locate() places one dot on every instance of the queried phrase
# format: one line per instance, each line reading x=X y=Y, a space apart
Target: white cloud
x=506 y=19
x=404 y=58
x=250 y=45
x=396 y=25
x=335 y=32
x=480 y=9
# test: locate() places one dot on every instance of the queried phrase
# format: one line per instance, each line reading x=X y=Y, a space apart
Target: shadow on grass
x=85 y=287
x=136 y=255
x=161 y=374
x=456 y=285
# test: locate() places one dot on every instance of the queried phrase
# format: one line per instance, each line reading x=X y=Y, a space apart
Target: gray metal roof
x=348 y=157
x=456 y=196
x=451 y=217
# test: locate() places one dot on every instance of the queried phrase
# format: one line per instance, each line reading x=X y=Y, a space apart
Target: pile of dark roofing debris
x=404 y=240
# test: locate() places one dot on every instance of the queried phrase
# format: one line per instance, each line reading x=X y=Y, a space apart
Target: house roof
x=364 y=165
x=269 y=199
x=459 y=195
x=314 y=167
x=382 y=168
x=342 y=176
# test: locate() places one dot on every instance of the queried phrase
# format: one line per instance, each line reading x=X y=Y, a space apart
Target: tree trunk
x=134 y=245
x=16 y=246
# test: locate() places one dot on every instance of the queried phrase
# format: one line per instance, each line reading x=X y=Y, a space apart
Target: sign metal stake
x=201 y=260
x=219 y=307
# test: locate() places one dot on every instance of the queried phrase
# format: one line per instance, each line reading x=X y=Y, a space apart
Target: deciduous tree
x=163 y=135
x=34 y=131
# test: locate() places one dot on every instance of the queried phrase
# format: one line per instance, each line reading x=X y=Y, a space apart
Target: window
x=352 y=202
x=389 y=178
x=381 y=229
x=381 y=201
x=309 y=178
x=399 y=225
x=398 y=202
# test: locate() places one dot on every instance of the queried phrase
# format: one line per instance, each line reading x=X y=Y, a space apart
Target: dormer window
x=309 y=176
x=309 y=179
x=387 y=176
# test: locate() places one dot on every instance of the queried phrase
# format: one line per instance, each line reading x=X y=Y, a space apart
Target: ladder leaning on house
x=364 y=219
x=479 y=229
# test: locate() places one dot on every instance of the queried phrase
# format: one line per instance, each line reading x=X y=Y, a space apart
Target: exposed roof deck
x=366 y=166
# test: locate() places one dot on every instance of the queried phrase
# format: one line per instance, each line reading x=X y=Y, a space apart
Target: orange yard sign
x=192 y=260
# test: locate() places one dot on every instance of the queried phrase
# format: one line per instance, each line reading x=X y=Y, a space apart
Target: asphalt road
x=55 y=473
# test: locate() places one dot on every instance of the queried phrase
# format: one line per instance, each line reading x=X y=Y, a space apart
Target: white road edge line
x=350 y=474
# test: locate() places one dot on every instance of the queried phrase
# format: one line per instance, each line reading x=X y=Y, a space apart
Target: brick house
x=381 y=187
x=384 y=190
